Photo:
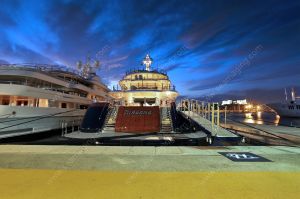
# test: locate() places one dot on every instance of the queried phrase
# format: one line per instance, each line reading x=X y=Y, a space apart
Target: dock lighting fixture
x=147 y=62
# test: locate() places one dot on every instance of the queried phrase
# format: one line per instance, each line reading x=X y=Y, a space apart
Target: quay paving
x=30 y=171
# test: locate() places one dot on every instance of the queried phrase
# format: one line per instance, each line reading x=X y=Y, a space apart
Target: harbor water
x=263 y=118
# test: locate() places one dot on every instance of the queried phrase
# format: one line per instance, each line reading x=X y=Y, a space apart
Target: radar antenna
x=87 y=69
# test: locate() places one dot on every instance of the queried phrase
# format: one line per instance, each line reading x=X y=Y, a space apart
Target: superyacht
x=36 y=98
x=288 y=108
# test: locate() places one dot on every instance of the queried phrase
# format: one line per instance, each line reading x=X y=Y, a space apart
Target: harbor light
x=258 y=107
x=249 y=106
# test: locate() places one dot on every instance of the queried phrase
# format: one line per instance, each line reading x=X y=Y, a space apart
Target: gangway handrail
x=279 y=137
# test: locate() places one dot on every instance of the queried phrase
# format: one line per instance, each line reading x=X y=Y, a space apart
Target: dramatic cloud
x=205 y=46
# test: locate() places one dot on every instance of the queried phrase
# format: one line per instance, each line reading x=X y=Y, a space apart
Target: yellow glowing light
x=248 y=115
x=248 y=106
x=258 y=107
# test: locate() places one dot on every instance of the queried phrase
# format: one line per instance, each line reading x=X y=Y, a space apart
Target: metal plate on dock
x=244 y=157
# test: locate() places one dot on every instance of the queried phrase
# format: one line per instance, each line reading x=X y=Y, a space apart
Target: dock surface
x=146 y=172
x=215 y=130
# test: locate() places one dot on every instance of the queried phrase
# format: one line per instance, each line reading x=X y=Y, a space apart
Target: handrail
x=146 y=88
x=41 y=87
x=40 y=67
x=264 y=131
x=143 y=70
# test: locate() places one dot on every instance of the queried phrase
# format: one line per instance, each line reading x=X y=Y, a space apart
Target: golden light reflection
x=248 y=115
x=249 y=118
x=258 y=115
x=277 y=119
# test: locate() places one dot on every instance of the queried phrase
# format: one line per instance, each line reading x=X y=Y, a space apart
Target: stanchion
x=73 y=125
x=218 y=115
x=208 y=111
x=66 y=128
x=202 y=109
x=62 y=128
x=225 y=115
x=212 y=116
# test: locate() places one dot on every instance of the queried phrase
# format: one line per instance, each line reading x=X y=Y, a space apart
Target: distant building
x=235 y=105
x=228 y=102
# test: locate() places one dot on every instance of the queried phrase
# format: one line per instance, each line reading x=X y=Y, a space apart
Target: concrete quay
x=147 y=172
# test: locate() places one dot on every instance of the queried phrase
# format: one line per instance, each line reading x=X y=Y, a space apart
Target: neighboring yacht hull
x=18 y=120
x=286 y=110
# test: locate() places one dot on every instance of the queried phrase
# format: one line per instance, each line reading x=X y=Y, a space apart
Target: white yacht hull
x=17 y=120
x=283 y=110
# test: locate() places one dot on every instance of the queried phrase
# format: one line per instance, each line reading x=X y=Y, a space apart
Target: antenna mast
x=88 y=69
x=147 y=62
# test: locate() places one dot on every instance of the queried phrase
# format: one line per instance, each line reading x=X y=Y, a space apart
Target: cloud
x=215 y=38
x=3 y=61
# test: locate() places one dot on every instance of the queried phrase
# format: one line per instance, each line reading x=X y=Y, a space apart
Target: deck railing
x=39 y=67
x=147 y=88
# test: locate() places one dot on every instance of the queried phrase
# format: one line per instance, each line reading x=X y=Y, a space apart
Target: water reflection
x=265 y=118
x=253 y=118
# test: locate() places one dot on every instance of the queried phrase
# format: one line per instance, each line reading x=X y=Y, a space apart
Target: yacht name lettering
x=137 y=112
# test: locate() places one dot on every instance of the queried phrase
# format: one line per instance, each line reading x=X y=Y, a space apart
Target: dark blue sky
x=209 y=48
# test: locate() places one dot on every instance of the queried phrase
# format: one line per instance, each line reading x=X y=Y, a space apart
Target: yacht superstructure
x=143 y=104
x=36 y=98
x=145 y=87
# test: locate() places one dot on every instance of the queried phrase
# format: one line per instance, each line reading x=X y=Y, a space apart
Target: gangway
x=207 y=116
